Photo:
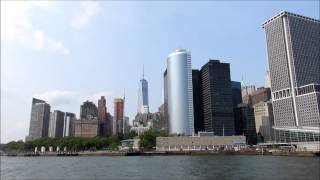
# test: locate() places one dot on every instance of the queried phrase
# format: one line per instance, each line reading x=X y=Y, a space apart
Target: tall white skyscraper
x=143 y=98
x=294 y=62
x=180 y=95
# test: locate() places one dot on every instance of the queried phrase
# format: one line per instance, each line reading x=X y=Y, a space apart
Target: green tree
x=148 y=139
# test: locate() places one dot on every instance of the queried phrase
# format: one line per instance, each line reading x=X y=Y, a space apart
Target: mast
x=142 y=71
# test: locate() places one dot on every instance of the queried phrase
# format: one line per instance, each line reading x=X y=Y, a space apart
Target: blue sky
x=67 y=52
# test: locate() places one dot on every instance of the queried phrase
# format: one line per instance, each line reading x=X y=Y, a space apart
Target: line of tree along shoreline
x=147 y=141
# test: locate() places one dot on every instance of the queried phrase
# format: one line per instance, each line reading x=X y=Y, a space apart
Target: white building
x=180 y=95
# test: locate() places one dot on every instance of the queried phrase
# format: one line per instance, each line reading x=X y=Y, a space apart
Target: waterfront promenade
x=168 y=153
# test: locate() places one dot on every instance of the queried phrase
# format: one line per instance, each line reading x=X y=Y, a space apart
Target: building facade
x=236 y=93
x=118 y=116
x=109 y=129
x=56 y=124
x=263 y=114
x=245 y=123
x=247 y=90
x=68 y=127
x=88 y=124
x=39 y=120
x=262 y=94
x=88 y=110
x=86 y=128
x=217 y=98
x=180 y=96
x=102 y=116
x=102 y=109
x=165 y=100
x=294 y=63
x=197 y=101
x=199 y=143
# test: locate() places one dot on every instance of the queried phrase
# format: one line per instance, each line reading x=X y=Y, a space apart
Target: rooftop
x=285 y=13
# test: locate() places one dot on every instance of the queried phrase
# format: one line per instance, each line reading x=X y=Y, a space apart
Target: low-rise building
x=130 y=144
x=197 y=143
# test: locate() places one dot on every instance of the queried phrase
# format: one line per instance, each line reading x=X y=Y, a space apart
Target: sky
x=67 y=52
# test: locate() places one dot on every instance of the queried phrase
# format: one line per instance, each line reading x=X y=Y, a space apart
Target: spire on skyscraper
x=142 y=71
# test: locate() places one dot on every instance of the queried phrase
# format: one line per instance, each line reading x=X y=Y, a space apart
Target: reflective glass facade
x=180 y=96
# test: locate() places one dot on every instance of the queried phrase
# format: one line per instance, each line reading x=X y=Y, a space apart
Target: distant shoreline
x=169 y=153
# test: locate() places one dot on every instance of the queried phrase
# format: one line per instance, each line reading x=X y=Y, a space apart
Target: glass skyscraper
x=180 y=95
x=143 y=98
x=217 y=98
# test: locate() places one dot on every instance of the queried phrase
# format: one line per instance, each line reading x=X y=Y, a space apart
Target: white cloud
x=16 y=24
x=64 y=97
x=57 y=97
x=82 y=16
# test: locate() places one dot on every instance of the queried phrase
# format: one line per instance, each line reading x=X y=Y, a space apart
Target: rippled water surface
x=161 y=167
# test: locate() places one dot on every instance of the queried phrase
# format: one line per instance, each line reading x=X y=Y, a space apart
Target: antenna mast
x=142 y=71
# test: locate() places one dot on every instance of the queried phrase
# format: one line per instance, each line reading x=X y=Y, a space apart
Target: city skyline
x=61 y=89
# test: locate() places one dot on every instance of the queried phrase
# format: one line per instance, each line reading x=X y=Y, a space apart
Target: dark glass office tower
x=245 y=124
x=236 y=93
x=197 y=101
x=217 y=98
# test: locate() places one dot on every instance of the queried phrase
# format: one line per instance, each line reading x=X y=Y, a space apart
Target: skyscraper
x=39 y=120
x=56 y=124
x=180 y=96
x=102 y=109
x=236 y=93
x=88 y=110
x=68 y=127
x=88 y=125
x=263 y=115
x=247 y=90
x=217 y=98
x=165 y=100
x=102 y=116
x=245 y=124
x=197 y=101
x=118 y=116
x=143 y=98
x=293 y=43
